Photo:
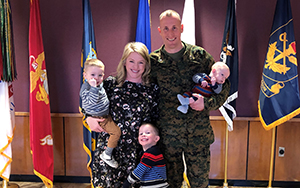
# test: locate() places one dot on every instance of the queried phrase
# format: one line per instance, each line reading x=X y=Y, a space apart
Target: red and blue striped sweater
x=151 y=171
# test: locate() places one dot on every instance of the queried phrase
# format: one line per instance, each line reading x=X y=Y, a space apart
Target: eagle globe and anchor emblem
x=274 y=86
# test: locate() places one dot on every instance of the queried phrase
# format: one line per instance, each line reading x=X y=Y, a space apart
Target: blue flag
x=279 y=91
x=88 y=51
x=143 y=28
x=229 y=55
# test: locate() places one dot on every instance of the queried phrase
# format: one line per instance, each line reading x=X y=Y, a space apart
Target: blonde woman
x=133 y=100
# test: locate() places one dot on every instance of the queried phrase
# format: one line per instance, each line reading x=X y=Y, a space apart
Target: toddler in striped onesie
x=205 y=84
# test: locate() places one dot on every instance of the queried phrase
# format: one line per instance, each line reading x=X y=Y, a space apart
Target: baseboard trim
x=253 y=183
x=214 y=182
x=61 y=179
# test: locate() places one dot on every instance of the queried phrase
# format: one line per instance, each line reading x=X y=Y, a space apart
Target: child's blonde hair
x=93 y=62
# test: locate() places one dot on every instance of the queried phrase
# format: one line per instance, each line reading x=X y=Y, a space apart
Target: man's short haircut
x=169 y=13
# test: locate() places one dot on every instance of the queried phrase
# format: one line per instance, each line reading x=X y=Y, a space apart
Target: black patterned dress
x=130 y=105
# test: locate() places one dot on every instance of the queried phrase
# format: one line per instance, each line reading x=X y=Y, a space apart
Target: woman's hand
x=198 y=104
x=93 y=123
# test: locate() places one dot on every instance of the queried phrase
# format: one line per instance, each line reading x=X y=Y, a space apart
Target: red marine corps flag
x=41 y=142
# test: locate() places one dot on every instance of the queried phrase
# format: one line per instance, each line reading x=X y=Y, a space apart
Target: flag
x=7 y=60
x=88 y=51
x=188 y=21
x=229 y=55
x=279 y=91
x=7 y=116
x=143 y=26
x=7 y=75
x=41 y=141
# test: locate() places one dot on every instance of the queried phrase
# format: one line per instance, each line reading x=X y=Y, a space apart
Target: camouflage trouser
x=198 y=165
x=196 y=146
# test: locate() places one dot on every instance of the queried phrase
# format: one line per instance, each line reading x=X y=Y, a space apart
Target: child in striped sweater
x=96 y=104
x=151 y=171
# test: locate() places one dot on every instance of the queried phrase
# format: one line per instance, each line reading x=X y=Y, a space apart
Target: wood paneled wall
x=237 y=150
x=249 y=149
x=69 y=157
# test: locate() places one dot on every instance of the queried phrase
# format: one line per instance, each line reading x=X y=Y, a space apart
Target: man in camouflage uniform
x=173 y=66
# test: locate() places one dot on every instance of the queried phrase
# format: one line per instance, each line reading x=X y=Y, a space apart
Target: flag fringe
x=8 y=142
x=88 y=151
x=5 y=166
x=48 y=183
x=6 y=156
x=279 y=121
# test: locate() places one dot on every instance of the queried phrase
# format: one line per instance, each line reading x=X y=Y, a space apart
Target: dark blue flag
x=279 y=91
x=88 y=51
x=229 y=55
x=143 y=28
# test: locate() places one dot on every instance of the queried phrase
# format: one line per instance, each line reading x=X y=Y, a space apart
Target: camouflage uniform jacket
x=175 y=77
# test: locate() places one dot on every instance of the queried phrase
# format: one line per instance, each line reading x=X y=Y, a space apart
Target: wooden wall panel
x=21 y=156
x=217 y=150
x=237 y=150
x=76 y=157
x=259 y=155
x=287 y=168
x=246 y=143
x=58 y=146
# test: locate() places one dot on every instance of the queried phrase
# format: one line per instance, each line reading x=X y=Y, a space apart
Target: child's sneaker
x=109 y=160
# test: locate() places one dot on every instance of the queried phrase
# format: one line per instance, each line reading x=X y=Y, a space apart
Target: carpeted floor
x=68 y=185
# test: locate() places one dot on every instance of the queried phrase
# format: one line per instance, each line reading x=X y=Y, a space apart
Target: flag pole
x=9 y=185
x=272 y=159
x=225 y=184
x=4 y=185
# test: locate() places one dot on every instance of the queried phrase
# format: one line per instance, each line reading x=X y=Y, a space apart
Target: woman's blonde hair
x=141 y=49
